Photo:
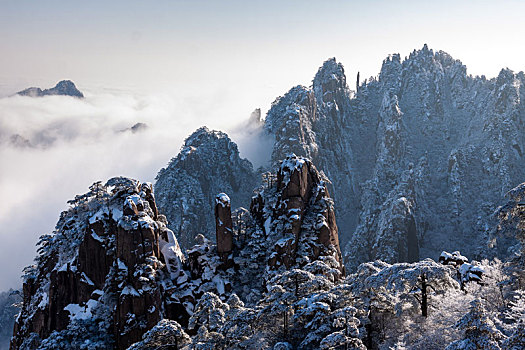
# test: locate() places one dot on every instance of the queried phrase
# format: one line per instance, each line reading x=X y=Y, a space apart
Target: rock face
x=100 y=271
x=409 y=152
x=208 y=164
x=63 y=88
x=407 y=156
x=298 y=215
x=313 y=123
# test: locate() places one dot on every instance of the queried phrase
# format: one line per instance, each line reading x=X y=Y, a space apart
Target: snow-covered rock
x=185 y=190
x=101 y=271
x=460 y=137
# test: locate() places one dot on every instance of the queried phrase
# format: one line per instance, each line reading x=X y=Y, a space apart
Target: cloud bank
x=67 y=144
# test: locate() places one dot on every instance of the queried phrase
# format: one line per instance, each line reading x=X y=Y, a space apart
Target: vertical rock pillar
x=223 y=225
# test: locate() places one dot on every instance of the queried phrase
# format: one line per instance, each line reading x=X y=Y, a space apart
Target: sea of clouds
x=55 y=147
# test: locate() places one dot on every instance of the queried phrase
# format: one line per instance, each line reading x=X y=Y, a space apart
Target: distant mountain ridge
x=62 y=88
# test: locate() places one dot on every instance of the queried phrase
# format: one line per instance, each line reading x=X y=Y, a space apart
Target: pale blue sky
x=260 y=48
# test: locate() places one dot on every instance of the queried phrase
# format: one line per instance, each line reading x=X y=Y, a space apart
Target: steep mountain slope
x=418 y=157
x=313 y=122
x=423 y=154
x=208 y=164
x=461 y=136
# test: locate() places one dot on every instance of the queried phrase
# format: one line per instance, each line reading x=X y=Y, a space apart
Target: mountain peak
x=62 y=88
x=329 y=81
x=202 y=135
x=208 y=163
x=331 y=70
x=66 y=88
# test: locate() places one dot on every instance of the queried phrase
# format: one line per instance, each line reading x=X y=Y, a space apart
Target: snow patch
x=77 y=312
x=222 y=199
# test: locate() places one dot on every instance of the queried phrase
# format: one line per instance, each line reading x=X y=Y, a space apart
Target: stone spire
x=223 y=225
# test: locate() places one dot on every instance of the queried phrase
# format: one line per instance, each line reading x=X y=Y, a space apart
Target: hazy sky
x=177 y=65
x=258 y=47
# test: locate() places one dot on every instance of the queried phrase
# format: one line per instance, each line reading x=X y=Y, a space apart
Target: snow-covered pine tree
x=165 y=335
x=479 y=330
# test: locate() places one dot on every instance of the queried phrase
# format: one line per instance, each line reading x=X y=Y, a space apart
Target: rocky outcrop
x=62 y=88
x=136 y=128
x=102 y=267
x=417 y=160
x=138 y=258
x=406 y=156
x=298 y=216
x=185 y=190
x=316 y=123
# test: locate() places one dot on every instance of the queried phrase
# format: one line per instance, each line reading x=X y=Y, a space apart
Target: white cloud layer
x=77 y=142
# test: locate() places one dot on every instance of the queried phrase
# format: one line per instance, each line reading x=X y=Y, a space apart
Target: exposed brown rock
x=139 y=302
x=297 y=182
x=223 y=224
x=130 y=244
x=147 y=190
x=93 y=257
x=62 y=292
x=118 y=239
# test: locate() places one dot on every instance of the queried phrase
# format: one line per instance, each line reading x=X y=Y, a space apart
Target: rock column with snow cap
x=137 y=255
x=294 y=178
x=303 y=218
x=223 y=225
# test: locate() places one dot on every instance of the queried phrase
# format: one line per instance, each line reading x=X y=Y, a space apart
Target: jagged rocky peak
x=63 y=88
x=256 y=118
x=112 y=273
x=507 y=89
x=316 y=123
x=390 y=74
x=423 y=67
x=329 y=81
x=298 y=216
x=98 y=276
x=138 y=127
x=290 y=120
x=299 y=119
x=208 y=163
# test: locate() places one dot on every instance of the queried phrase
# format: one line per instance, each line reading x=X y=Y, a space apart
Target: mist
x=68 y=143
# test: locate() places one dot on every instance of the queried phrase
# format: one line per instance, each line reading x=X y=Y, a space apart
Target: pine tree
x=479 y=330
